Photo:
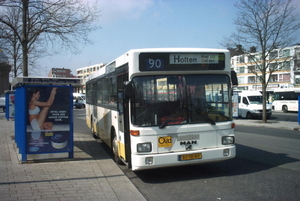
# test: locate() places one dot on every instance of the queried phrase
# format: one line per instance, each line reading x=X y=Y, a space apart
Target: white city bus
x=286 y=99
x=141 y=106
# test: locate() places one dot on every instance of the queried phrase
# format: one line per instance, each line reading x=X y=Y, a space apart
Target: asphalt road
x=267 y=167
x=281 y=116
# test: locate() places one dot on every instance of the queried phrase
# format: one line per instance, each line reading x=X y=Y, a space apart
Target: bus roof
x=125 y=58
x=287 y=89
x=177 y=50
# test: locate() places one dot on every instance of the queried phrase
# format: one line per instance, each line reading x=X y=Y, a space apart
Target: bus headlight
x=144 y=147
x=227 y=140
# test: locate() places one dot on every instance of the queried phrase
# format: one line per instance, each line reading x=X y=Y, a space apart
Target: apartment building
x=86 y=71
x=287 y=75
x=60 y=72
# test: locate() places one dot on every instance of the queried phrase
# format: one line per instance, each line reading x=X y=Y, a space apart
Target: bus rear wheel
x=285 y=109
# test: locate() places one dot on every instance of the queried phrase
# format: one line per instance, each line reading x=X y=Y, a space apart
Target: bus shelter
x=44 y=117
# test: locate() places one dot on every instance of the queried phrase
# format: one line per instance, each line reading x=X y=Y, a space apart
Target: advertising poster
x=11 y=110
x=235 y=105
x=48 y=127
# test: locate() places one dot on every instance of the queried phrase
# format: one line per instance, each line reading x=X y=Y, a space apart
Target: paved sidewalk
x=91 y=175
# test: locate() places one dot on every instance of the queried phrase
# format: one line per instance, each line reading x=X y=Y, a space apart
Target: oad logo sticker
x=165 y=141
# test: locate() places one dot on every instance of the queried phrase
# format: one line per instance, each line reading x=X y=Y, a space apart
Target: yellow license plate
x=165 y=141
x=190 y=157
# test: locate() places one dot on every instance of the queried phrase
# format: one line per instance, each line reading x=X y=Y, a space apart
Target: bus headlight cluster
x=227 y=140
x=144 y=147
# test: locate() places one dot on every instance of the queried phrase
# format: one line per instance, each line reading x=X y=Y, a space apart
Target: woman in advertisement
x=38 y=110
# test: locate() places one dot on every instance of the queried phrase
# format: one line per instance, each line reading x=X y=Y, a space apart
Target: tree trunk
x=264 y=101
x=24 y=37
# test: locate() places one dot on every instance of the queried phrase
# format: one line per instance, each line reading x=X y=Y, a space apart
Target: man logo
x=188 y=144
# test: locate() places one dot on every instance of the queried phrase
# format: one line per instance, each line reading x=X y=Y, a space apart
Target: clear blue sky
x=130 y=24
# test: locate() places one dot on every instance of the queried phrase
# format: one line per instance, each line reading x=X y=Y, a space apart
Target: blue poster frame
x=57 y=139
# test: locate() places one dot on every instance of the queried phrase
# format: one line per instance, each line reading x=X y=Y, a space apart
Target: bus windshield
x=180 y=99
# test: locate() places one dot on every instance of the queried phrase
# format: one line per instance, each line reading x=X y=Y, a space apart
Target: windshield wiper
x=171 y=116
x=206 y=117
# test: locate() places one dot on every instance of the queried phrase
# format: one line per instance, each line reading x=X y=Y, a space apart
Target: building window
x=273 y=66
x=297 y=53
x=242 y=59
x=297 y=64
x=284 y=77
x=285 y=65
x=258 y=57
x=241 y=80
x=274 y=78
x=286 y=53
x=273 y=55
x=251 y=58
x=242 y=70
x=258 y=67
x=251 y=69
x=251 y=79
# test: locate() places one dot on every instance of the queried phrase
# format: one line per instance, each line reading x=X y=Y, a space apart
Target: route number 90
x=154 y=63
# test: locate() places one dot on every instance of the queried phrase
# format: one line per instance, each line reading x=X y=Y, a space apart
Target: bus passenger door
x=123 y=121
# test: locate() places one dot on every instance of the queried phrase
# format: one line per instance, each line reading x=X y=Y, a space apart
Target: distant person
x=37 y=116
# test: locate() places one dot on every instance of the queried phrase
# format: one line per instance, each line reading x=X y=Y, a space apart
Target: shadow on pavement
x=243 y=164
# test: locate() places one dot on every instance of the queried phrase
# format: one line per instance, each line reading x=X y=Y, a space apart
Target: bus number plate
x=165 y=141
x=190 y=157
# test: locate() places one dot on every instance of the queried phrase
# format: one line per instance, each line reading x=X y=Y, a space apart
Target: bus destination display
x=181 y=61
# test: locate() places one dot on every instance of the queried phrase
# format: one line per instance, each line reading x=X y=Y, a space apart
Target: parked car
x=2 y=103
x=78 y=100
x=78 y=104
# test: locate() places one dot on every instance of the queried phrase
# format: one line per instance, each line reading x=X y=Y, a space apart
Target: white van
x=251 y=105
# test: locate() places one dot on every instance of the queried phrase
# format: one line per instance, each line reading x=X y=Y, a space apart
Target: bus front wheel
x=93 y=130
x=116 y=150
x=285 y=109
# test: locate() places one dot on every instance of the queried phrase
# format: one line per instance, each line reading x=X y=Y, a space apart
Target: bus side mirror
x=128 y=89
x=234 y=79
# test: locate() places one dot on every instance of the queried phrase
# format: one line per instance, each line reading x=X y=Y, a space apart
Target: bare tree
x=12 y=47
x=10 y=42
x=61 y=24
x=266 y=25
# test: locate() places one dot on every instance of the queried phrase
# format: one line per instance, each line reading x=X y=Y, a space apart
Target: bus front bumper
x=150 y=161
